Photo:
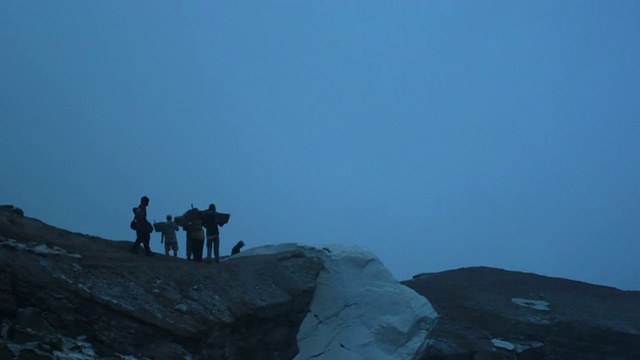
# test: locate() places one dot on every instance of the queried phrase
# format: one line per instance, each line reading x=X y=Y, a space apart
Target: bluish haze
x=435 y=134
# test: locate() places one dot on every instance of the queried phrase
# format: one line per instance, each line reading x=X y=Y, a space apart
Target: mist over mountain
x=501 y=134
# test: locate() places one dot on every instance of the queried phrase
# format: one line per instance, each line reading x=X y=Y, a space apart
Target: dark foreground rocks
x=66 y=295
x=488 y=313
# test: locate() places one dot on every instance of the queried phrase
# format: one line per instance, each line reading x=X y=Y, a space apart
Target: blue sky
x=435 y=134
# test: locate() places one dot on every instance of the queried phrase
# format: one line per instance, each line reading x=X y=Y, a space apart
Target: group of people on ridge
x=192 y=222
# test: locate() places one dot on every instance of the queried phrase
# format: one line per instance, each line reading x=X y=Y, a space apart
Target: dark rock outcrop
x=488 y=313
x=68 y=295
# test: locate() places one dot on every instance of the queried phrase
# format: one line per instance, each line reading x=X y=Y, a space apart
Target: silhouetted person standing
x=195 y=233
x=143 y=227
x=213 y=234
x=169 y=237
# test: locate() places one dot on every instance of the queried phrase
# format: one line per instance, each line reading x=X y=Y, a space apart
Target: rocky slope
x=490 y=313
x=71 y=296
x=65 y=295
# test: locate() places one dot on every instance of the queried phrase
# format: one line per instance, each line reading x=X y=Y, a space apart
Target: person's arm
x=162 y=238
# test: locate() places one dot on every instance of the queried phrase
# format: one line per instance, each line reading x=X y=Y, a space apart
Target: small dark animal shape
x=237 y=247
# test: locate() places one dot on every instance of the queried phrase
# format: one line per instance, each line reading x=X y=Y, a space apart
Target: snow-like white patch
x=503 y=344
x=534 y=304
x=38 y=249
x=75 y=349
x=44 y=250
x=13 y=244
x=359 y=310
x=517 y=347
x=71 y=349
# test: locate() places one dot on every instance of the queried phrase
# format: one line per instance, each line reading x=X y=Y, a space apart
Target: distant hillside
x=488 y=313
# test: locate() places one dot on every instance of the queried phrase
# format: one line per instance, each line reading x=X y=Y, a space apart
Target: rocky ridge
x=74 y=296
x=65 y=295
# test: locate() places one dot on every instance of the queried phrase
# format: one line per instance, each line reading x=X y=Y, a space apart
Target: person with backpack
x=195 y=234
x=169 y=236
x=142 y=226
x=181 y=221
x=213 y=233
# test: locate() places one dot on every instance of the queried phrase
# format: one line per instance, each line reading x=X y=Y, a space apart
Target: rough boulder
x=359 y=310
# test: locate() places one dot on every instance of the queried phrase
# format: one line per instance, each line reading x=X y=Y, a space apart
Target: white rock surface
x=518 y=347
x=39 y=249
x=534 y=304
x=503 y=344
x=359 y=310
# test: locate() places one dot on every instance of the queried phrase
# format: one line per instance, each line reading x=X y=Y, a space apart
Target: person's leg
x=145 y=242
x=136 y=244
x=189 y=250
x=216 y=247
x=193 y=246
x=194 y=249
x=197 y=250
x=209 y=244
